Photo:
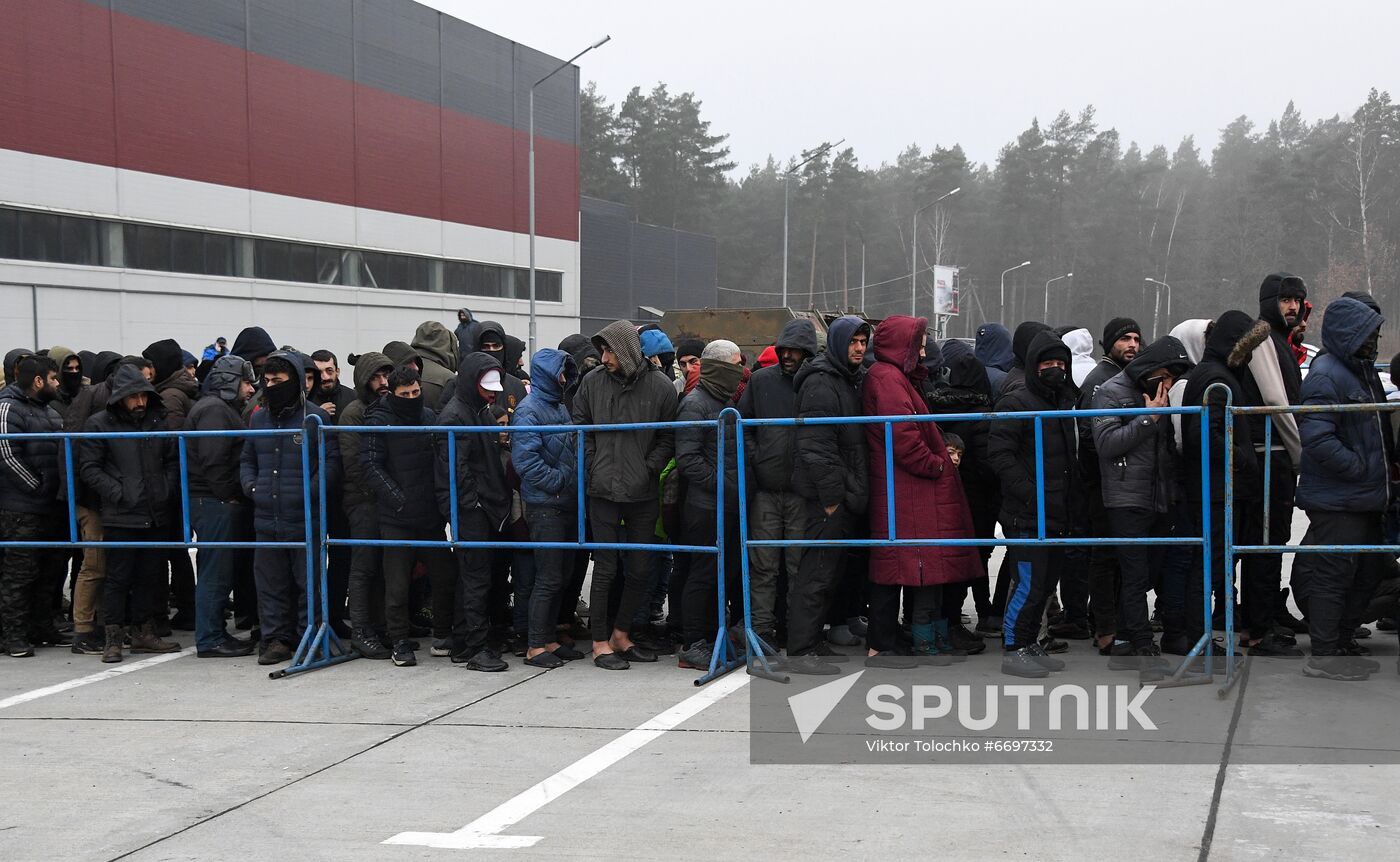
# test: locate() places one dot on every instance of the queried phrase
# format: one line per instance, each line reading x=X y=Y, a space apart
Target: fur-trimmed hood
x=1243 y=348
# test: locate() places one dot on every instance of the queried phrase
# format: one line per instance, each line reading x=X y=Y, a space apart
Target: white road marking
x=484 y=831
x=26 y=697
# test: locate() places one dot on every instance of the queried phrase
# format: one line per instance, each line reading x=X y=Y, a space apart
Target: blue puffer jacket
x=546 y=463
x=271 y=469
x=1344 y=454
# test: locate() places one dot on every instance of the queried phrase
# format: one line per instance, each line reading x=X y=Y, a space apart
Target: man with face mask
x=29 y=509
x=1032 y=571
x=1348 y=464
x=397 y=468
x=366 y=587
x=271 y=473
x=778 y=512
x=135 y=476
x=71 y=381
x=1138 y=468
x=483 y=506
x=218 y=510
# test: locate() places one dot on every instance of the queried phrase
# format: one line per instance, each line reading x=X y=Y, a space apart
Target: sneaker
x=1285 y=636
x=990 y=627
x=1023 y=663
x=842 y=636
x=1387 y=624
x=88 y=643
x=274 y=652
x=1358 y=656
x=487 y=661
x=1361 y=633
x=403 y=655
x=1050 y=645
x=1270 y=647
x=891 y=661
x=695 y=657
x=51 y=636
x=18 y=648
x=1147 y=661
x=1176 y=644
x=1038 y=652
x=1354 y=648
x=1335 y=667
x=966 y=641
x=859 y=626
x=808 y=665
x=1075 y=631
x=368 y=645
x=441 y=648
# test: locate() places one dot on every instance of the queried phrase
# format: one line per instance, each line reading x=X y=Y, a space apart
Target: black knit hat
x=1116 y=329
x=686 y=346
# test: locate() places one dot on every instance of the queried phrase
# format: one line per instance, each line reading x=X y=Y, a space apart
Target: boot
x=926 y=648
x=146 y=640
x=944 y=644
x=112 y=651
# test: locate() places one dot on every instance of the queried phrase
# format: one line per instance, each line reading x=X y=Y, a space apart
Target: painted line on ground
x=484 y=831
x=26 y=697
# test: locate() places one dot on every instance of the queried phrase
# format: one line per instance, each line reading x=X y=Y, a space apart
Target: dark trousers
x=398 y=572
x=1247 y=531
x=280 y=574
x=27 y=574
x=1104 y=570
x=774 y=515
x=133 y=587
x=215 y=520
x=1175 y=569
x=339 y=559
x=1032 y=572
x=1262 y=574
x=1139 y=565
x=810 y=594
x=1338 y=587
x=632 y=523
x=702 y=620
x=552 y=566
x=470 y=622
x=366 y=587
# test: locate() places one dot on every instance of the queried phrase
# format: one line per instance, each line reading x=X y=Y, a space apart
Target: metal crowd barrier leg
x=319 y=647
x=756 y=651
x=1183 y=675
x=1231 y=678
x=722 y=657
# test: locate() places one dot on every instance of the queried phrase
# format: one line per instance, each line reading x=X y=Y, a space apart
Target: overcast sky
x=783 y=77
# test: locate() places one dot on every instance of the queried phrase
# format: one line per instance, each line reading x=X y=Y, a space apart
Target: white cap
x=491 y=381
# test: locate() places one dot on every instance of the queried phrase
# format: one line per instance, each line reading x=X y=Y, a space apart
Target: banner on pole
x=945 y=290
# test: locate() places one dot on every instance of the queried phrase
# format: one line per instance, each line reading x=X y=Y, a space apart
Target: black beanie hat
x=1282 y=285
x=1116 y=329
x=689 y=347
x=166 y=356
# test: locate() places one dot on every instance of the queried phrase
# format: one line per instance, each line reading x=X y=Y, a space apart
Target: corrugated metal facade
x=625 y=265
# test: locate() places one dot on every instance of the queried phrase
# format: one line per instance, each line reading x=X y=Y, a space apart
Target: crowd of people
x=1126 y=477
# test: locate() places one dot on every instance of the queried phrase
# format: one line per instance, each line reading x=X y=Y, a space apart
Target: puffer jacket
x=625 y=466
x=546 y=463
x=772 y=394
x=832 y=466
x=271 y=466
x=355 y=490
x=1346 y=459
x=437 y=348
x=30 y=471
x=1138 y=462
x=697 y=448
x=928 y=495
x=1011 y=448
x=135 y=477
x=481 y=477
x=398 y=467
x=1106 y=370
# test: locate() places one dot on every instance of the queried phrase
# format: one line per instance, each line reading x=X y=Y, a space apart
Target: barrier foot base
x=1232 y=679
x=1175 y=681
x=723 y=660
x=757 y=654
x=317 y=650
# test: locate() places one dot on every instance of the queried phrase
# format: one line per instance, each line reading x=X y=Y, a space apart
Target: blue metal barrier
x=757 y=651
x=723 y=659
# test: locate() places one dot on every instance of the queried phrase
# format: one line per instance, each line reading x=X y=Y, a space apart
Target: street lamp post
x=1002 y=316
x=1045 y=314
x=562 y=66
x=787 y=177
x=914 y=255
x=1157 y=303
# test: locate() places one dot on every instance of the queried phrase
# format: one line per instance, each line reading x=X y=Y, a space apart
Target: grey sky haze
x=783 y=77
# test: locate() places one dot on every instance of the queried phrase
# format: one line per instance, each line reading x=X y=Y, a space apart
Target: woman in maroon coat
x=928 y=497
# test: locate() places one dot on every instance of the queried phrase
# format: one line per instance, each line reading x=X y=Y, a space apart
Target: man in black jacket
x=623 y=473
x=330 y=393
x=778 y=513
x=483 y=505
x=1230 y=342
x=218 y=510
x=1139 y=476
x=721 y=370
x=1032 y=571
x=832 y=475
x=135 y=477
x=366 y=587
x=29 y=511
x=398 y=467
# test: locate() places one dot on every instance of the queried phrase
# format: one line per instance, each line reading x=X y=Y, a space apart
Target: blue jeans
x=215 y=521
